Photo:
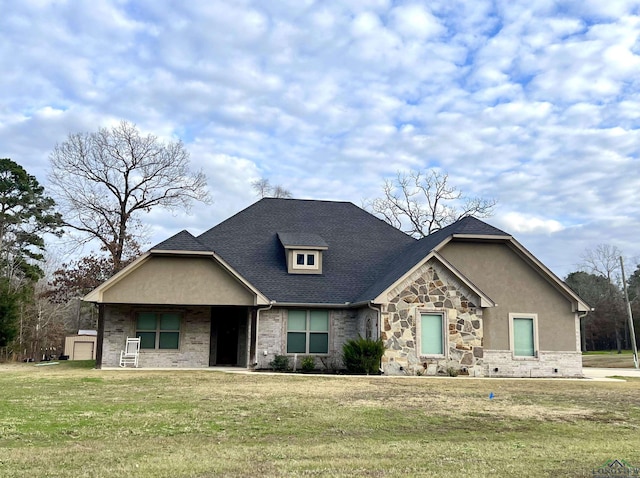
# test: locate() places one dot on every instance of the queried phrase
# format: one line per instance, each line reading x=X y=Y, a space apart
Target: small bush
x=363 y=355
x=452 y=371
x=308 y=364
x=280 y=363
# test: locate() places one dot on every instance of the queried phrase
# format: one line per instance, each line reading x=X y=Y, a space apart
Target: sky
x=533 y=103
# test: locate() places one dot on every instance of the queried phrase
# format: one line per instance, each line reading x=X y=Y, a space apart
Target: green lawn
x=63 y=421
x=608 y=359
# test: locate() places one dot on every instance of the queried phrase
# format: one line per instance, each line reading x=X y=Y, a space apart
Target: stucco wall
x=179 y=280
x=517 y=288
x=194 y=339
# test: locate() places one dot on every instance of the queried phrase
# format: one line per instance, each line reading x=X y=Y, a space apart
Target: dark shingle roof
x=301 y=239
x=183 y=241
x=364 y=254
x=359 y=248
x=473 y=226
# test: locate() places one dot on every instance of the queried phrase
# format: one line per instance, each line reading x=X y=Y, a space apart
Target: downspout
x=580 y=317
x=379 y=327
x=255 y=358
x=100 y=339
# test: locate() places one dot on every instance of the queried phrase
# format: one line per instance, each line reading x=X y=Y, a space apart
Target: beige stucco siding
x=179 y=280
x=517 y=288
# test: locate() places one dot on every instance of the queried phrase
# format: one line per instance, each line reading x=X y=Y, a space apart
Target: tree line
x=101 y=185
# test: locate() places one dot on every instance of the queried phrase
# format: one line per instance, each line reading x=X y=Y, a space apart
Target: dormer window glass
x=305 y=259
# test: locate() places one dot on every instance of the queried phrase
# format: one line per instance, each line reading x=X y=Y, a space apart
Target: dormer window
x=305 y=259
x=303 y=252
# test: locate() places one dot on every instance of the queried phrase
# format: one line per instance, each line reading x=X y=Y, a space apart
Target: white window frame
x=445 y=332
x=306 y=253
x=536 y=347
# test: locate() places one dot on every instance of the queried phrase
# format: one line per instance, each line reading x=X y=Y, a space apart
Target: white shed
x=81 y=346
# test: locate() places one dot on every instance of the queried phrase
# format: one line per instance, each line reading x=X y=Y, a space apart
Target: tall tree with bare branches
x=104 y=181
x=603 y=261
x=420 y=203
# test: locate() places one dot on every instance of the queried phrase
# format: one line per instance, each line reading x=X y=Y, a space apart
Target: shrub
x=280 y=363
x=362 y=355
x=308 y=364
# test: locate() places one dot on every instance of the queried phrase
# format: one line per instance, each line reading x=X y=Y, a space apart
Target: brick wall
x=194 y=339
x=272 y=337
x=500 y=363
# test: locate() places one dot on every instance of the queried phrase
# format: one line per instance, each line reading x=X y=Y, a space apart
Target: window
x=305 y=260
x=431 y=334
x=158 y=330
x=524 y=335
x=308 y=332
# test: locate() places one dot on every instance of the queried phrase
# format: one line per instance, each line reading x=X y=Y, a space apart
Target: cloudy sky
x=534 y=103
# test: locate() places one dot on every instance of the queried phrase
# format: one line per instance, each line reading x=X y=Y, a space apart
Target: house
x=300 y=277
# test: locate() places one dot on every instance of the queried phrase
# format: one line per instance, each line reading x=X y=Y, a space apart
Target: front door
x=228 y=326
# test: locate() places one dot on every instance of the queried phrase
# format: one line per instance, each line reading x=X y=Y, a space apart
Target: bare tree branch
x=104 y=181
x=264 y=189
x=603 y=260
x=421 y=203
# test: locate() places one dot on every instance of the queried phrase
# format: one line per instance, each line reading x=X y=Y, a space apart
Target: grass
x=60 y=421
x=608 y=359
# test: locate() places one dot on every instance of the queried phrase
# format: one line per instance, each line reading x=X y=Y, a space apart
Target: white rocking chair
x=130 y=353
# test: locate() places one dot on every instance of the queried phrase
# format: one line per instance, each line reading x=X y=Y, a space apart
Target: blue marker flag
x=491 y=396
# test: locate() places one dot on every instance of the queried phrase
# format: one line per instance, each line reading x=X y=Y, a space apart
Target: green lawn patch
x=59 y=422
x=608 y=359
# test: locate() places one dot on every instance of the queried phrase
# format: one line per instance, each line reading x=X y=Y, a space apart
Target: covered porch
x=174 y=336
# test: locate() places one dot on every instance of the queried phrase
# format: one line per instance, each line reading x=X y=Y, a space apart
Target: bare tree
x=421 y=203
x=603 y=261
x=105 y=180
x=264 y=189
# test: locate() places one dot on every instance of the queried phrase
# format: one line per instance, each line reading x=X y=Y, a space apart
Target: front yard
x=58 y=421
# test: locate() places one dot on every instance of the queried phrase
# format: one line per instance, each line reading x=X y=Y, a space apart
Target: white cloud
x=518 y=223
x=518 y=101
x=415 y=21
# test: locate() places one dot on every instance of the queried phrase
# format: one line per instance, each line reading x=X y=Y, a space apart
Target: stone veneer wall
x=272 y=337
x=194 y=339
x=500 y=363
x=432 y=289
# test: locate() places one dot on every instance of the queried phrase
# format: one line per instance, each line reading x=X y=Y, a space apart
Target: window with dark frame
x=158 y=330
x=308 y=332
